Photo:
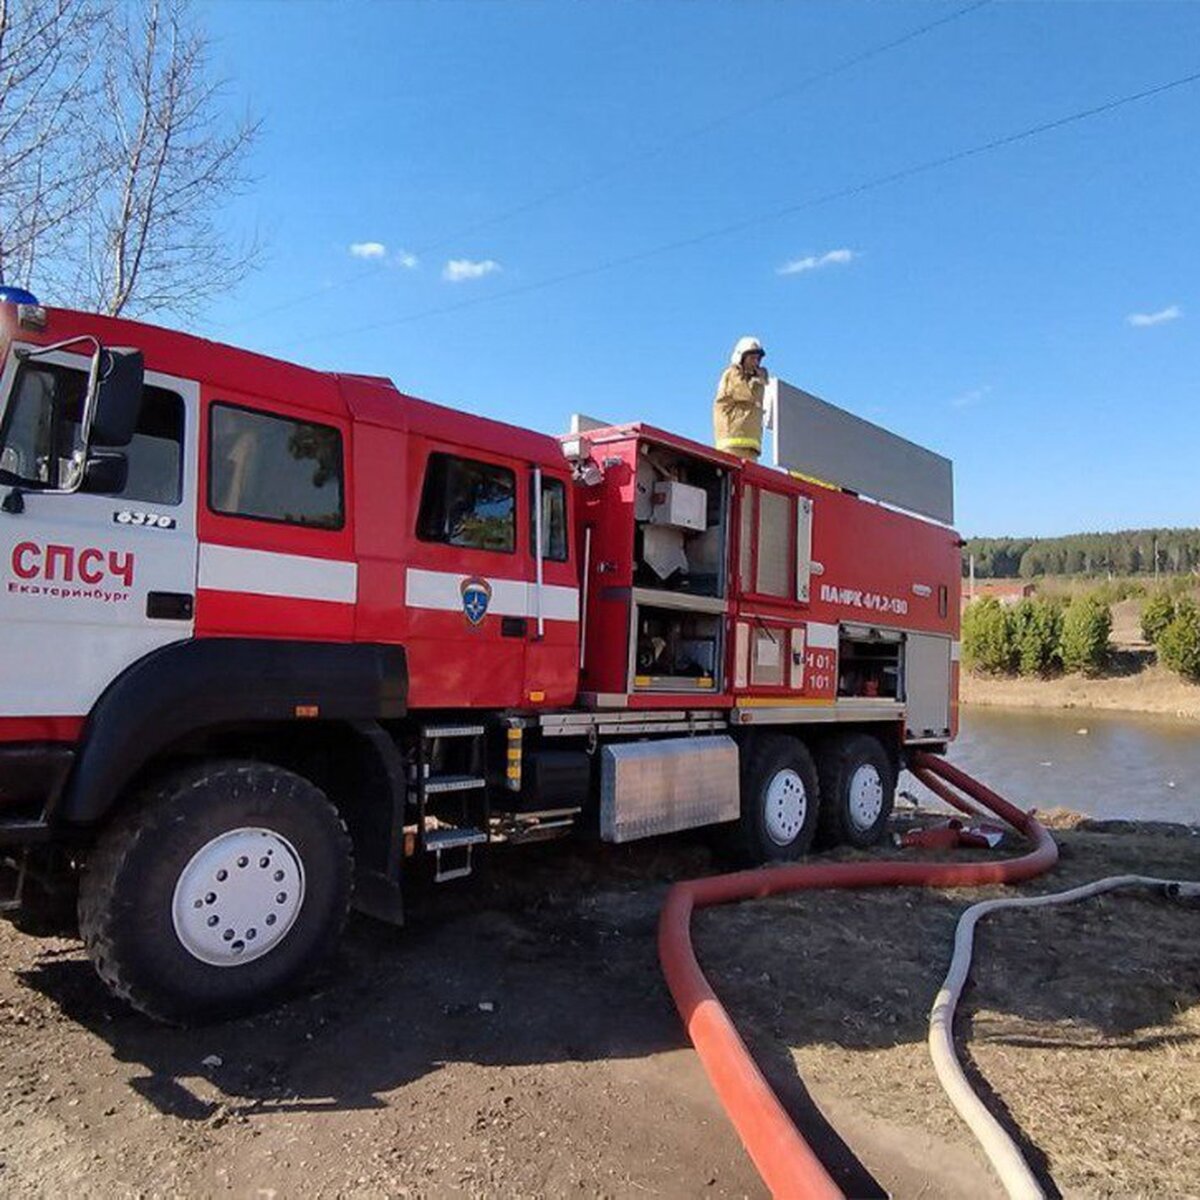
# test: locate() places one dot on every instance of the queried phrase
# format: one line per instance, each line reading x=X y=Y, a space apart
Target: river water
x=1101 y=764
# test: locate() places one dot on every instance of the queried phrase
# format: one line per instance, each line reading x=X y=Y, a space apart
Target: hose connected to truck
x=786 y=1162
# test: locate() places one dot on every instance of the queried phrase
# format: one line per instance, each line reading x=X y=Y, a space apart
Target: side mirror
x=119 y=400
x=106 y=472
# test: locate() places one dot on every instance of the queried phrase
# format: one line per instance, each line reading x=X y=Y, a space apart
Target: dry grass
x=1083 y=1022
x=1153 y=690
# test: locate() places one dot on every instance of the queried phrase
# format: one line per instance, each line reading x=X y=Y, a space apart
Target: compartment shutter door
x=927 y=686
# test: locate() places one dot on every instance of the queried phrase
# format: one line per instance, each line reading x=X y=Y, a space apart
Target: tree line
x=1126 y=552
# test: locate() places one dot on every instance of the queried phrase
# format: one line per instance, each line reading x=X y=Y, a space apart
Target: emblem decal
x=476 y=596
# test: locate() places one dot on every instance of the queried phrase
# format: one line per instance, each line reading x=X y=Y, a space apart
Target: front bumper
x=32 y=775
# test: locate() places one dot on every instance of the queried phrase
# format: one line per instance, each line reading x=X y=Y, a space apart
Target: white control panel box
x=679 y=505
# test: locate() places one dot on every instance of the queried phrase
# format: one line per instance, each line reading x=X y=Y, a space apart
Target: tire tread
x=101 y=919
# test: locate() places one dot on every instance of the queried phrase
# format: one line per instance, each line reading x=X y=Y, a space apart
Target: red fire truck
x=273 y=637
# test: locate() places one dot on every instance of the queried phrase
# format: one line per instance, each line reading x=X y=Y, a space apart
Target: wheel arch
x=231 y=695
x=889 y=735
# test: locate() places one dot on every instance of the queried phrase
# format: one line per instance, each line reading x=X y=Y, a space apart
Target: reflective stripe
x=510 y=597
x=267 y=573
x=731 y=443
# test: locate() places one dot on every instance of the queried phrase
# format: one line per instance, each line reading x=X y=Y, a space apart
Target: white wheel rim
x=238 y=897
x=787 y=805
x=866 y=796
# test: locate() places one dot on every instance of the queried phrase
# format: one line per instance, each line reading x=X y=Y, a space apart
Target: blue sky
x=988 y=309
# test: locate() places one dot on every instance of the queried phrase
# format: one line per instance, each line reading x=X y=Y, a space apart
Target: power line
x=726 y=118
x=842 y=193
x=649 y=152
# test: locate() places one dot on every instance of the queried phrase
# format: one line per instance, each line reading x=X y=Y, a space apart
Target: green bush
x=1086 y=626
x=1179 y=643
x=987 y=637
x=1113 y=591
x=1180 y=585
x=1157 y=614
x=1037 y=635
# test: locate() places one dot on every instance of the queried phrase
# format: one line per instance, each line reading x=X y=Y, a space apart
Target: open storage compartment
x=679 y=523
x=675 y=648
x=869 y=663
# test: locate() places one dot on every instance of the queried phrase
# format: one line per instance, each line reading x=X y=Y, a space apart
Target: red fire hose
x=783 y=1158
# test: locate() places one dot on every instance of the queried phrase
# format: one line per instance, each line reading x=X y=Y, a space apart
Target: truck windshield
x=40 y=436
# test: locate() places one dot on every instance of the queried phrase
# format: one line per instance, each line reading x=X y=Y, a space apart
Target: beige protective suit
x=738 y=407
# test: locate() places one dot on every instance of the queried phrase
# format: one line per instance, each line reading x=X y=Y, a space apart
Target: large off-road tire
x=779 y=800
x=217 y=891
x=858 y=790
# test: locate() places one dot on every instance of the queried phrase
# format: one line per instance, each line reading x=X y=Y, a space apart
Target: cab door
x=466 y=579
x=89 y=583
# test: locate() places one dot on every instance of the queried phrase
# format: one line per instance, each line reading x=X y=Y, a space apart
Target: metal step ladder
x=452 y=843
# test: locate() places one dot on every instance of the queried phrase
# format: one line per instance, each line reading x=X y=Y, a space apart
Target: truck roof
x=372 y=399
x=617 y=433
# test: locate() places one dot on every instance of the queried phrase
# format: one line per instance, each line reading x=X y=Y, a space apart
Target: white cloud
x=1142 y=320
x=970 y=397
x=814 y=262
x=368 y=250
x=405 y=259
x=458 y=269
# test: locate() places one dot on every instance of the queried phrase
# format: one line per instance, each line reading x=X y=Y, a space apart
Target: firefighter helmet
x=746 y=345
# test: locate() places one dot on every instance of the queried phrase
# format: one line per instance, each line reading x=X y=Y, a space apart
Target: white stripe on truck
x=442 y=590
x=266 y=573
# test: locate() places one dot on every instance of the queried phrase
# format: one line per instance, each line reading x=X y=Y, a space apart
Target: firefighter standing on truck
x=738 y=407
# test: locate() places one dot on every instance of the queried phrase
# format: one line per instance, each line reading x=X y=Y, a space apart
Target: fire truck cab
x=274 y=637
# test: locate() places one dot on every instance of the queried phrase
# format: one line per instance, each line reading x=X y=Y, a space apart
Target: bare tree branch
x=46 y=85
x=117 y=156
x=175 y=160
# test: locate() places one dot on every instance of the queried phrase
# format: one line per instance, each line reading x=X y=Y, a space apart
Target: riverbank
x=1153 y=691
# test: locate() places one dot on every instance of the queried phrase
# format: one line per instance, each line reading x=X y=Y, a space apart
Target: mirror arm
x=89 y=401
x=23 y=354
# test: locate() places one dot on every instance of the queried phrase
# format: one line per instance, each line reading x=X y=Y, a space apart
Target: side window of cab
x=554 y=519
x=267 y=467
x=468 y=503
x=40 y=438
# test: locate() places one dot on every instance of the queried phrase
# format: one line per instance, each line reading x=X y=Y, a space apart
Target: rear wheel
x=779 y=794
x=217 y=892
x=858 y=790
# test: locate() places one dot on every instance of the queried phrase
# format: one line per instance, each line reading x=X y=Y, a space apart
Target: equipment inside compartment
x=677 y=649
x=679 y=534
x=869 y=666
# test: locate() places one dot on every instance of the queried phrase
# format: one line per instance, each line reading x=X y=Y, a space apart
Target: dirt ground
x=516 y=1038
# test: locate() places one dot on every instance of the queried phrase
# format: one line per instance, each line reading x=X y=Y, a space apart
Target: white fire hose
x=1018 y=1180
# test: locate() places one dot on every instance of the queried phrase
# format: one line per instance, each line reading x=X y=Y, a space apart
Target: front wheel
x=217 y=892
x=779 y=798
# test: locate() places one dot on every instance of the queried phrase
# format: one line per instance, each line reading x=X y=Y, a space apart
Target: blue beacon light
x=16 y=295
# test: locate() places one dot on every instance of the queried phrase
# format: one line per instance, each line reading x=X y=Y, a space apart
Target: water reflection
x=1122 y=766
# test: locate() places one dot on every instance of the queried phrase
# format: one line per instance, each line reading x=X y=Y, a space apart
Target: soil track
x=517 y=1038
